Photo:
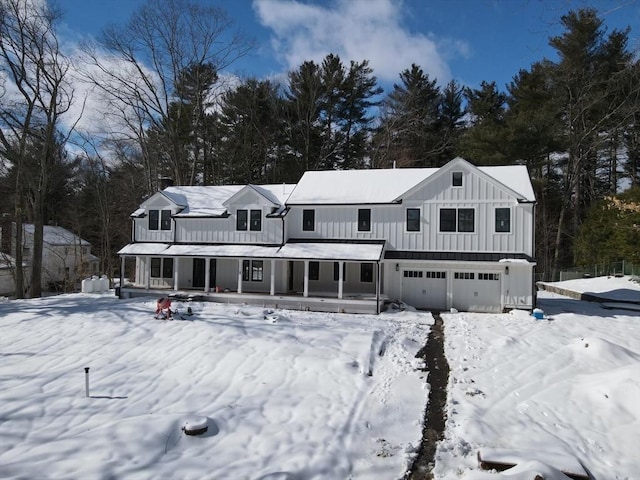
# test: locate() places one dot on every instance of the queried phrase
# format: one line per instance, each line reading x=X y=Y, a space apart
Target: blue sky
x=465 y=40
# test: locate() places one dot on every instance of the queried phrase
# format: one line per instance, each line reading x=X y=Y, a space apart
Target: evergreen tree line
x=574 y=122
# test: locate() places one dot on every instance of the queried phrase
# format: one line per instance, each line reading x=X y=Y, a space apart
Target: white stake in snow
x=86 y=380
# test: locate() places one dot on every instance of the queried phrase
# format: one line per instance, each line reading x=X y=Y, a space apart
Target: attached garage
x=474 y=291
x=425 y=289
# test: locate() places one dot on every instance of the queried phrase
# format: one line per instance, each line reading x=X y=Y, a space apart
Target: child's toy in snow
x=163 y=308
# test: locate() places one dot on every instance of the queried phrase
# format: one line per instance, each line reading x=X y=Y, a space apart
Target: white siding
x=388 y=222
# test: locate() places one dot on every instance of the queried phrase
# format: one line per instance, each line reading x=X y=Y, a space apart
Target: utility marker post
x=86 y=380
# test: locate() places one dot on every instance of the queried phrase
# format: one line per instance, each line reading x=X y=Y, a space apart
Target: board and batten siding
x=202 y=230
x=388 y=222
x=223 y=230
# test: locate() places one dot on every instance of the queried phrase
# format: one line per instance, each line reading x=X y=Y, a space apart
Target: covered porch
x=319 y=276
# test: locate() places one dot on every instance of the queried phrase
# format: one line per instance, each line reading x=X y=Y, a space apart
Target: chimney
x=165 y=182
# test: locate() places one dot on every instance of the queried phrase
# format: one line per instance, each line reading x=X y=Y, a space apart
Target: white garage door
x=476 y=291
x=425 y=289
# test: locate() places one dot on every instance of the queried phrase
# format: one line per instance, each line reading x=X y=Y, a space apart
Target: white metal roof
x=239 y=251
x=298 y=251
x=331 y=187
x=143 y=249
x=356 y=186
x=199 y=201
x=516 y=177
x=332 y=251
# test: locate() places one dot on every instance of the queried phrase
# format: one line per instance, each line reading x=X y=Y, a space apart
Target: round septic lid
x=195 y=425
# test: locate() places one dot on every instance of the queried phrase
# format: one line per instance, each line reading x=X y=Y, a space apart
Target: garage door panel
x=426 y=289
x=476 y=291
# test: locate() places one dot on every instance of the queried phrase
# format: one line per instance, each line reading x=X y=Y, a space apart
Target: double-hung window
x=241 y=219
x=161 y=267
x=165 y=220
x=413 y=219
x=252 y=270
x=308 y=220
x=503 y=220
x=364 y=219
x=154 y=219
x=256 y=220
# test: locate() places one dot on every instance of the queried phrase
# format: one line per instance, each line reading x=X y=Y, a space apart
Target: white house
x=459 y=237
x=65 y=256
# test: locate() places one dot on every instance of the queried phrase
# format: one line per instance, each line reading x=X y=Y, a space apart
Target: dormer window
x=456 y=180
x=159 y=219
x=165 y=220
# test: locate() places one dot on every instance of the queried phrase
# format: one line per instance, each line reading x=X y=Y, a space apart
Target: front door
x=198 y=273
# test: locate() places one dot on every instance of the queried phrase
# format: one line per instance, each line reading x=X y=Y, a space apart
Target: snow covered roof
x=208 y=201
x=53 y=235
x=201 y=201
x=332 y=251
x=365 y=252
x=339 y=187
x=251 y=251
x=356 y=186
x=143 y=249
x=516 y=177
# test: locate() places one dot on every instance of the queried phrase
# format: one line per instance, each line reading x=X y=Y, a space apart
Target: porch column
x=240 y=275
x=340 y=278
x=306 y=278
x=122 y=272
x=273 y=277
x=207 y=274
x=147 y=272
x=176 y=264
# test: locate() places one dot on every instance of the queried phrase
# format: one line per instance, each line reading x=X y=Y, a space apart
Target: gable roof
x=346 y=187
x=212 y=201
x=340 y=187
x=53 y=235
x=514 y=177
x=275 y=194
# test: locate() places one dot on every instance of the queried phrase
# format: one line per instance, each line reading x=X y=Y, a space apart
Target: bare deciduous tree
x=137 y=67
x=37 y=94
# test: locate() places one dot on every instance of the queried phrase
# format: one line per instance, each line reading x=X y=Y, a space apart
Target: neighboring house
x=66 y=258
x=455 y=237
x=7 y=285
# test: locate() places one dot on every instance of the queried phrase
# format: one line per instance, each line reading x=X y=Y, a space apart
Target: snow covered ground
x=567 y=384
x=287 y=395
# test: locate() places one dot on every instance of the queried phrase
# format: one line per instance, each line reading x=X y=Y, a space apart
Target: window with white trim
x=503 y=220
x=308 y=220
x=460 y=220
x=161 y=267
x=413 y=219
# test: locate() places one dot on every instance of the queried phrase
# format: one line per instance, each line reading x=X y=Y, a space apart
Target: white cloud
x=355 y=30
